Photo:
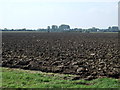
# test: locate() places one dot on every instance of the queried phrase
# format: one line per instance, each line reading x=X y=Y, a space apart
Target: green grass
x=17 y=78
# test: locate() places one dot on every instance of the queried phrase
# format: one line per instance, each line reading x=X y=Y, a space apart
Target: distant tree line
x=66 y=28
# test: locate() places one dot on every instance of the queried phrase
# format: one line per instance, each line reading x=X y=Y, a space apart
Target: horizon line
x=58 y=26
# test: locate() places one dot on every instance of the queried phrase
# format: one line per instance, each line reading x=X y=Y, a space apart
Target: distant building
x=64 y=27
x=112 y=29
x=54 y=27
x=77 y=29
x=93 y=29
x=115 y=29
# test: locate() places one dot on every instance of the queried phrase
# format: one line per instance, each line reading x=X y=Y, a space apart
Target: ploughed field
x=88 y=55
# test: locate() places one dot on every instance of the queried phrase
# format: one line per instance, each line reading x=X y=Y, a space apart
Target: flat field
x=87 y=55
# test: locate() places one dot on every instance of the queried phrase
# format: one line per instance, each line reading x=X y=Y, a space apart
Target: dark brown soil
x=89 y=55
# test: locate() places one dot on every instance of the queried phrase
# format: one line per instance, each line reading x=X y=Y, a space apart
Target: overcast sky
x=36 y=14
